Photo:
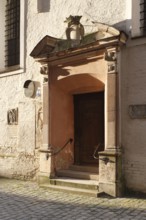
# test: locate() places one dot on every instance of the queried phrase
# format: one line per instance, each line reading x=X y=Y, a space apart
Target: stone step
x=85 y=192
x=77 y=174
x=92 y=169
x=75 y=183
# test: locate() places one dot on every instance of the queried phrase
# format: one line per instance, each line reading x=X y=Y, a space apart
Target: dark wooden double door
x=89 y=126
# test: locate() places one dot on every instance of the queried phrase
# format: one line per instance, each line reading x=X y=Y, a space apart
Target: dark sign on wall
x=137 y=111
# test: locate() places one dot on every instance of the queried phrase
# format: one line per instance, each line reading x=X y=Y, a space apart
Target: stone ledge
x=45 y=151
x=7 y=155
x=113 y=152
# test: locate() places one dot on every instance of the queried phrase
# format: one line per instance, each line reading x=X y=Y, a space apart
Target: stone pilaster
x=111 y=99
x=110 y=159
x=110 y=175
x=46 y=170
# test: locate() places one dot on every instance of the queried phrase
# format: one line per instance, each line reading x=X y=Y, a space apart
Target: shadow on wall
x=63 y=71
x=79 y=83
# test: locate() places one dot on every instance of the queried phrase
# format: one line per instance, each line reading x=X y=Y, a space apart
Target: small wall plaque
x=12 y=116
x=137 y=111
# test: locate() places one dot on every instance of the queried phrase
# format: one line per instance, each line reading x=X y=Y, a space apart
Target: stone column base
x=110 y=172
x=46 y=166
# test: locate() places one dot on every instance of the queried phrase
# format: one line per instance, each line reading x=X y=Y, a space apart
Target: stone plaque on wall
x=137 y=111
x=12 y=116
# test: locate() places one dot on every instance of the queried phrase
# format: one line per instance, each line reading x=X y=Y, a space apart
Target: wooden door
x=89 y=126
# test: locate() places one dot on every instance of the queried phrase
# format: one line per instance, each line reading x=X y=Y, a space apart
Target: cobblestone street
x=25 y=201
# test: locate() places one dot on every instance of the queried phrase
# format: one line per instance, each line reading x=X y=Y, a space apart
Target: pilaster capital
x=44 y=70
x=110 y=55
x=111 y=58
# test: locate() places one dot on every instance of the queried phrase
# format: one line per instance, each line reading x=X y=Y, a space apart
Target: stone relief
x=12 y=116
x=45 y=80
x=40 y=119
x=44 y=70
x=39 y=127
x=111 y=67
x=110 y=56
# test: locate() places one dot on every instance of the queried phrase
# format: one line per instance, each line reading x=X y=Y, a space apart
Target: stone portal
x=82 y=100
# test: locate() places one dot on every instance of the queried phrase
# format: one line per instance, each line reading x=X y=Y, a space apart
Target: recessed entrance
x=89 y=126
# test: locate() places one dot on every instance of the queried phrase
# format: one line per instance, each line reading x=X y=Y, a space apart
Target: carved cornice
x=50 y=46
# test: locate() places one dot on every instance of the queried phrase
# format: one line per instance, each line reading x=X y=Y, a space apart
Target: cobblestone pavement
x=26 y=201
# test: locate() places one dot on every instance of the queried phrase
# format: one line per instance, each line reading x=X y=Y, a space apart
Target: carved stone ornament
x=44 y=70
x=75 y=30
x=12 y=116
x=45 y=80
x=110 y=56
x=137 y=111
x=112 y=67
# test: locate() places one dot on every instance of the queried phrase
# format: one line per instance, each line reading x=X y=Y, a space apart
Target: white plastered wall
x=135 y=18
x=133 y=81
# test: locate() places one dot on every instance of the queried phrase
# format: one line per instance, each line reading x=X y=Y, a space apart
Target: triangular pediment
x=50 y=45
x=45 y=46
